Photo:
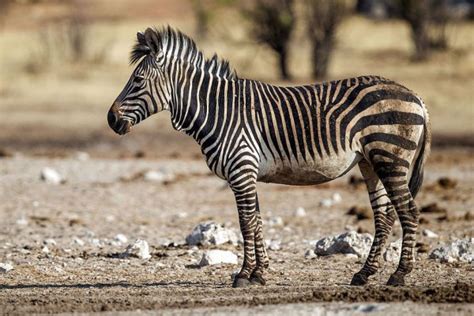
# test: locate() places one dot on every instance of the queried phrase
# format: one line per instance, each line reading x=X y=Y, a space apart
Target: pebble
x=5 y=267
x=459 y=250
x=300 y=212
x=120 y=238
x=216 y=256
x=139 y=249
x=275 y=221
x=309 y=254
x=210 y=233
x=51 y=176
x=158 y=176
x=273 y=244
x=430 y=234
x=79 y=241
x=346 y=243
x=22 y=221
x=82 y=156
x=49 y=242
x=393 y=251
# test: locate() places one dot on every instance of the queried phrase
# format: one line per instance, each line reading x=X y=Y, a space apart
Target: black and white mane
x=176 y=45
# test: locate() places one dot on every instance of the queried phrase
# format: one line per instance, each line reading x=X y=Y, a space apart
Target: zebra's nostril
x=112 y=119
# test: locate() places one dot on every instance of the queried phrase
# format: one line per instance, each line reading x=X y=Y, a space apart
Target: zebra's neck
x=197 y=98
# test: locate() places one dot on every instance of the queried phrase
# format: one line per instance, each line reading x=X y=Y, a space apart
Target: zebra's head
x=147 y=91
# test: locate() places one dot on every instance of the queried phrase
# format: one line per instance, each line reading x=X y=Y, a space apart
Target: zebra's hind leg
x=394 y=175
x=260 y=252
x=384 y=216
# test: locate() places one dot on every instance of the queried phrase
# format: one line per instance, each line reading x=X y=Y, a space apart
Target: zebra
x=250 y=131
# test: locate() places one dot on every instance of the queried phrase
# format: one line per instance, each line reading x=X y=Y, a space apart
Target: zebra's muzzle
x=118 y=124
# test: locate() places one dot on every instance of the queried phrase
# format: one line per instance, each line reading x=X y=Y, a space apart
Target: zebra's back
x=314 y=133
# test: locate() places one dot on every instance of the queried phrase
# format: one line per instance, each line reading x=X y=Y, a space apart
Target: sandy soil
x=105 y=197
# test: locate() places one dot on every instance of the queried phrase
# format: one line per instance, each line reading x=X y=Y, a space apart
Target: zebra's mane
x=174 y=43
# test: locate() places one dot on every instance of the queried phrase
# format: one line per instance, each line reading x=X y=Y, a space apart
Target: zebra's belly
x=307 y=172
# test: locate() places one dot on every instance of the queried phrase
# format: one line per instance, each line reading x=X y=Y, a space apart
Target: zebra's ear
x=141 y=38
x=151 y=40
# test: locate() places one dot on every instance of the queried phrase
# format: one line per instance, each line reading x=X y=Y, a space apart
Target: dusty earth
x=82 y=270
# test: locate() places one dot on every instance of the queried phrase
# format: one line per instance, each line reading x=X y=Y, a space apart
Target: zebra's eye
x=139 y=79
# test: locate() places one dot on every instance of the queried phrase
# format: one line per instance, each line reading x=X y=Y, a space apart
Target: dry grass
x=72 y=98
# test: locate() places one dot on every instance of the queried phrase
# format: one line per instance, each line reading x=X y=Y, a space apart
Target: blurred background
x=63 y=62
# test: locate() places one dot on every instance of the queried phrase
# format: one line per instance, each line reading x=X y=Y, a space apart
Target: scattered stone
x=216 y=256
x=349 y=242
x=45 y=249
x=309 y=254
x=393 y=251
x=447 y=183
x=361 y=213
x=275 y=221
x=459 y=250
x=468 y=216
x=433 y=208
x=273 y=244
x=158 y=176
x=336 y=198
x=5 y=267
x=22 y=221
x=51 y=176
x=82 y=156
x=120 y=238
x=138 y=249
x=79 y=241
x=326 y=203
x=210 y=233
x=49 y=242
x=430 y=234
x=300 y=212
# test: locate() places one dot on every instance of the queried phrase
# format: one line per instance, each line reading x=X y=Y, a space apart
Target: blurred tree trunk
x=416 y=13
x=324 y=17
x=272 y=24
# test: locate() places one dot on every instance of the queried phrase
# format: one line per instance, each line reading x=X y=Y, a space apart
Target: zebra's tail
x=416 y=179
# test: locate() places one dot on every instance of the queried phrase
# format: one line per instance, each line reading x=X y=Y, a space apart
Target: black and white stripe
x=250 y=131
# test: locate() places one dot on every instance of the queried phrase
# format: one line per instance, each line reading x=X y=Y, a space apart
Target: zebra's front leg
x=245 y=190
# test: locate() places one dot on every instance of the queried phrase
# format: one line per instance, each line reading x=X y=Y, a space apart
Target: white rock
x=300 y=212
x=309 y=254
x=22 y=221
x=120 y=238
x=275 y=221
x=50 y=175
x=273 y=244
x=430 y=234
x=216 y=256
x=349 y=242
x=78 y=241
x=393 y=251
x=45 y=249
x=336 y=198
x=326 y=202
x=158 y=176
x=459 y=250
x=139 y=249
x=49 y=242
x=5 y=267
x=82 y=156
x=96 y=242
x=210 y=233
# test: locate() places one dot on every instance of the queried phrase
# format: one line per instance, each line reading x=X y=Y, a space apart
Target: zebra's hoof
x=241 y=282
x=359 y=279
x=396 y=279
x=257 y=280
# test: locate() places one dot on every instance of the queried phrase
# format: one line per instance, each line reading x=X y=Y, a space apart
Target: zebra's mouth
x=122 y=127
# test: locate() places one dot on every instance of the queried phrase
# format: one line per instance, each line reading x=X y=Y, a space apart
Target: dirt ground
x=83 y=272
